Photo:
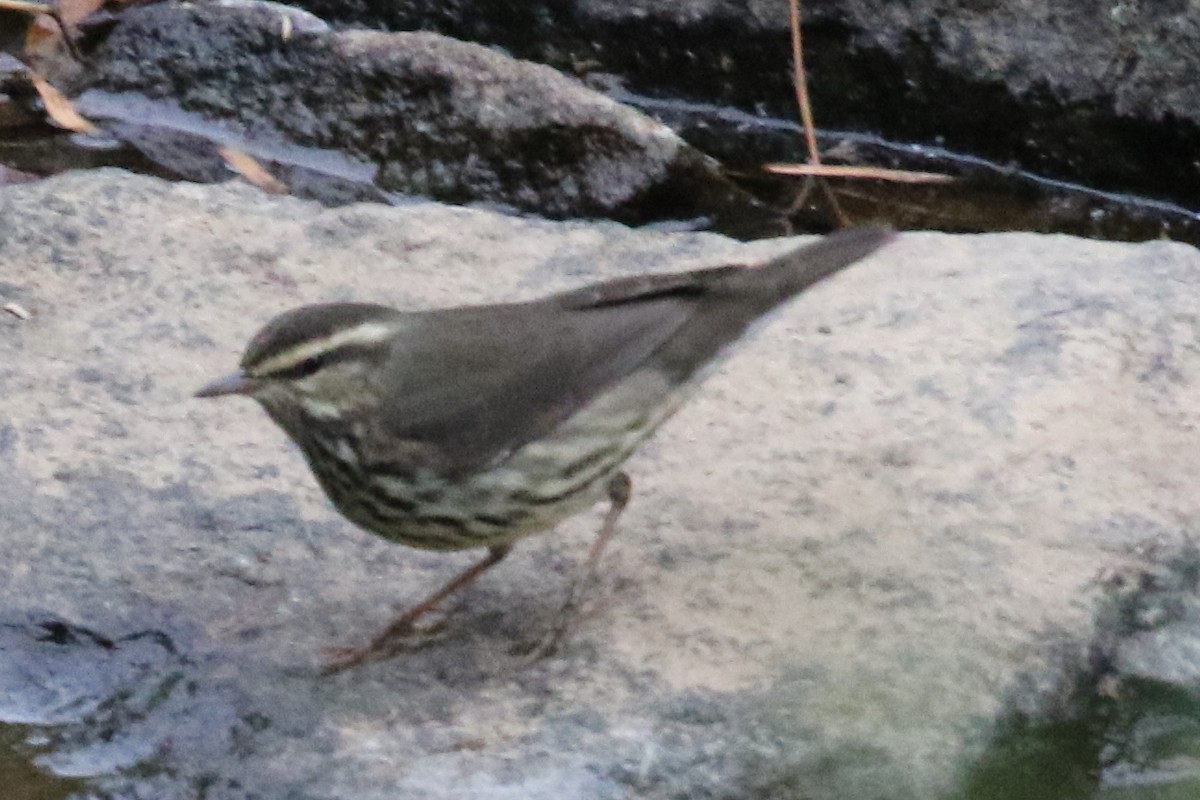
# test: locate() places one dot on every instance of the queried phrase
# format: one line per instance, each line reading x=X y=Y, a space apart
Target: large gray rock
x=1102 y=94
x=874 y=531
x=1136 y=56
x=412 y=113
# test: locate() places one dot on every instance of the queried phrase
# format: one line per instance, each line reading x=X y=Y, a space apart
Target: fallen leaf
x=42 y=37
x=60 y=109
x=26 y=7
x=72 y=11
x=251 y=170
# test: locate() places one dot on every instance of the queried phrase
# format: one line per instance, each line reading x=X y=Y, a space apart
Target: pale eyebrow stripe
x=364 y=335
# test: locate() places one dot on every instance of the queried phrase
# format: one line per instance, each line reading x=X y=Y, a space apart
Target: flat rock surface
x=875 y=528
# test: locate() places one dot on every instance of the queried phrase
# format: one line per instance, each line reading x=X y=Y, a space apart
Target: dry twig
x=814 y=169
x=851 y=171
x=800 y=83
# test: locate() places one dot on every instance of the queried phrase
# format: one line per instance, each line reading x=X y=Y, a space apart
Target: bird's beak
x=233 y=383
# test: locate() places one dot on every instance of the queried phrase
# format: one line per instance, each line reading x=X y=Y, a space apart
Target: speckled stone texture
x=877 y=527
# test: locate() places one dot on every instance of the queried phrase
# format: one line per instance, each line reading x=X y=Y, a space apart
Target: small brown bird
x=472 y=427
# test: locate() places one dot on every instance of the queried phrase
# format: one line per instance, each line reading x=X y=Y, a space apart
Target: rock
x=1069 y=90
x=422 y=113
x=874 y=531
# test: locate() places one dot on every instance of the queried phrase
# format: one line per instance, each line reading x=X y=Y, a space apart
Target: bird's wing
x=478 y=383
x=475 y=384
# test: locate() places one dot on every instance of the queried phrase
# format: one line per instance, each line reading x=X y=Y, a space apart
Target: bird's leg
x=619 y=490
x=385 y=644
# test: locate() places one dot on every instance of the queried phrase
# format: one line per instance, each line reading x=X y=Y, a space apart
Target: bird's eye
x=302 y=370
x=310 y=365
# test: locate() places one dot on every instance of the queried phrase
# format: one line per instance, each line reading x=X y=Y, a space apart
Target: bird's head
x=316 y=361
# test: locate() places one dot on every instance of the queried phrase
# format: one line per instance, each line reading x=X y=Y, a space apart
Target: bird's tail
x=736 y=297
x=791 y=273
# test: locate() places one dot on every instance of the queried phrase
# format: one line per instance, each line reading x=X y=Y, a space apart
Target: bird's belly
x=479 y=510
x=530 y=490
x=533 y=490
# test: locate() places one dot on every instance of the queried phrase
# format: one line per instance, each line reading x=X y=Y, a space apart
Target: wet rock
x=1132 y=711
x=425 y=114
x=875 y=531
x=1071 y=90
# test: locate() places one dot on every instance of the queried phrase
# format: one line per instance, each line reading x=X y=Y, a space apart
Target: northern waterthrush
x=474 y=426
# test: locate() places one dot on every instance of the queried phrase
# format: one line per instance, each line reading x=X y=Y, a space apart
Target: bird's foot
x=393 y=641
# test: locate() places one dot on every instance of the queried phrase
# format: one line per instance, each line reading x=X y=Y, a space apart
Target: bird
x=475 y=426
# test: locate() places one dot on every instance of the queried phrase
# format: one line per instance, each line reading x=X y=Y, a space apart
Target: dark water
x=157 y=137
x=984 y=197
x=21 y=777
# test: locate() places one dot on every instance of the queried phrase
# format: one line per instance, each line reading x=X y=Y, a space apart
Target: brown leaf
x=42 y=37
x=72 y=11
x=54 y=26
x=60 y=109
x=25 y=6
x=251 y=170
